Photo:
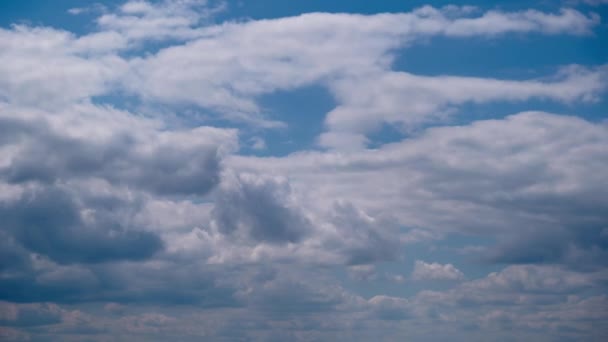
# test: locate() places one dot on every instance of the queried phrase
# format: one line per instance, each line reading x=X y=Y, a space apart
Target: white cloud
x=408 y=100
x=345 y=52
x=139 y=20
x=435 y=271
x=491 y=178
x=518 y=285
x=527 y=154
x=249 y=59
x=43 y=67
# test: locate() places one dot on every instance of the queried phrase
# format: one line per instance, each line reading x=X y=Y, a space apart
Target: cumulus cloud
x=260 y=209
x=531 y=172
x=531 y=299
x=49 y=222
x=26 y=80
x=515 y=286
x=435 y=271
x=260 y=218
x=169 y=162
x=363 y=239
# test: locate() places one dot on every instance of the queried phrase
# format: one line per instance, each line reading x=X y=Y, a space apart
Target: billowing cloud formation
x=150 y=191
x=260 y=209
x=530 y=175
x=172 y=163
x=48 y=222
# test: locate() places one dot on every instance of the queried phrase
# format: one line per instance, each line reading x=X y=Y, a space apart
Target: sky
x=191 y=170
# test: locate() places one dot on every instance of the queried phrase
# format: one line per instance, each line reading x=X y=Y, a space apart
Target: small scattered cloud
x=435 y=271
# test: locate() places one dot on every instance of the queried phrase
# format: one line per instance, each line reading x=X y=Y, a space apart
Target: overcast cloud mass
x=201 y=170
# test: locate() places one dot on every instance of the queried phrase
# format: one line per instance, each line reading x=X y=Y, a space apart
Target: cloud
x=171 y=162
x=407 y=100
x=49 y=222
x=10 y=334
x=584 y=248
x=281 y=298
x=514 y=286
x=528 y=173
x=265 y=220
x=29 y=314
x=260 y=209
x=78 y=72
x=435 y=271
x=138 y=282
x=361 y=238
x=254 y=58
x=495 y=22
x=390 y=308
x=529 y=299
x=258 y=143
x=139 y=21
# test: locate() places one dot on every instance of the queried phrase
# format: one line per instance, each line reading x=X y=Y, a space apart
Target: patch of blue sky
x=303 y=110
x=266 y=9
x=52 y=13
x=517 y=57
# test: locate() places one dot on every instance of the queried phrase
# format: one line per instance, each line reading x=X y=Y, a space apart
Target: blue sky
x=314 y=170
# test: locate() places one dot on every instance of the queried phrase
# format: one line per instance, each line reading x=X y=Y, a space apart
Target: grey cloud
x=292 y=303
x=530 y=299
x=282 y=293
x=360 y=238
x=168 y=167
x=27 y=315
x=390 y=308
x=261 y=208
x=82 y=178
x=258 y=217
x=165 y=283
x=26 y=287
x=583 y=247
x=282 y=299
x=518 y=285
x=13 y=257
x=526 y=176
x=157 y=282
x=49 y=222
